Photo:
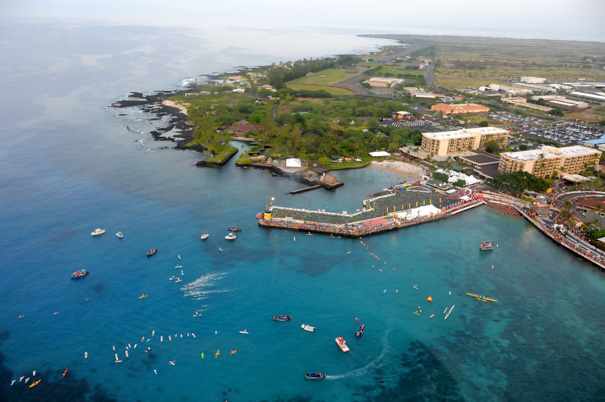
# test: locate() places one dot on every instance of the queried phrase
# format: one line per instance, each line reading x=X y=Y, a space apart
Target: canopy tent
x=378 y=154
x=420 y=212
x=293 y=163
x=455 y=176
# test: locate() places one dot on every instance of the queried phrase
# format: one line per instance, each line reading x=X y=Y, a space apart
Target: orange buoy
x=429 y=299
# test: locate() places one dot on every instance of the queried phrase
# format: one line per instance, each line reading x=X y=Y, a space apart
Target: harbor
x=394 y=208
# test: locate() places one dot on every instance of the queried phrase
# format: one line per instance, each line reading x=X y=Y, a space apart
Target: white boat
x=205 y=235
x=98 y=232
x=119 y=234
x=342 y=344
x=307 y=327
x=231 y=236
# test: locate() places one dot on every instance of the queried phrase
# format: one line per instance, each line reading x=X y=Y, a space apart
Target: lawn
x=311 y=87
x=324 y=77
x=393 y=70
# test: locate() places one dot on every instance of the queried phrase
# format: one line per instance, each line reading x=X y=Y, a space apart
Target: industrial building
x=599 y=96
x=546 y=161
x=453 y=142
x=533 y=80
x=562 y=102
x=384 y=82
x=466 y=108
x=522 y=102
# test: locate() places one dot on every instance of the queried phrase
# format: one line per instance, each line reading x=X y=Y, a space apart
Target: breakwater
x=350 y=226
x=577 y=246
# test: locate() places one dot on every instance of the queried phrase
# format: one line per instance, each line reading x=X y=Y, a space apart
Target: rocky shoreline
x=152 y=105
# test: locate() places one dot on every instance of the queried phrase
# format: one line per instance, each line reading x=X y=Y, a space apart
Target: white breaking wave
x=200 y=288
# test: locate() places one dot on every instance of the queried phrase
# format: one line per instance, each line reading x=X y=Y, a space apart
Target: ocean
x=68 y=166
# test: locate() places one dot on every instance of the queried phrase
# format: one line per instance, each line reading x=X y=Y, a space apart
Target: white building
x=533 y=80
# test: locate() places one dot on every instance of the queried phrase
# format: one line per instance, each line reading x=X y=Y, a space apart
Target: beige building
x=465 y=108
x=452 y=142
x=547 y=160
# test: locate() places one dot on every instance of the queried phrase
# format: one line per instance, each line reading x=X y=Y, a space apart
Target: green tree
x=492 y=147
x=323 y=161
x=484 y=123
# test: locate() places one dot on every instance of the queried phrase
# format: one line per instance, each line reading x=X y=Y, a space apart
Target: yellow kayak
x=33 y=384
x=143 y=296
x=218 y=352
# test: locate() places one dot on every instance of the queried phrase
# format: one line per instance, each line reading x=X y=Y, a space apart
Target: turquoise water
x=68 y=167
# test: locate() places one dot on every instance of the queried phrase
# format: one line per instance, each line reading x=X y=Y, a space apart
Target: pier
x=302 y=190
x=399 y=209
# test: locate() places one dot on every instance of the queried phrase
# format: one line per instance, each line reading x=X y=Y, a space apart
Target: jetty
x=401 y=207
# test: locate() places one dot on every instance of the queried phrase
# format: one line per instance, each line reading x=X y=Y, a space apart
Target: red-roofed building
x=243 y=127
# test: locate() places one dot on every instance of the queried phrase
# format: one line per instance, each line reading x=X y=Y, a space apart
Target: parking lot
x=563 y=132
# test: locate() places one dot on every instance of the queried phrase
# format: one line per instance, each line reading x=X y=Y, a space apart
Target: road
x=352 y=83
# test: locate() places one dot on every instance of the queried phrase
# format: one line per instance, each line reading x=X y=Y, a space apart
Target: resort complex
x=547 y=160
x=452 y=142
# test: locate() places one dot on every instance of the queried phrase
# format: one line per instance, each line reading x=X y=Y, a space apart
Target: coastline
x=403 y=168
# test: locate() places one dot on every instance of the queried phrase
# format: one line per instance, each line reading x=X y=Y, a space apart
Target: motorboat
x=360 y=331
x=97 y=232
x=205 y=235
x=342 y=344
x=120 y=235
x=315 y=376
x=282 y=317
x=79 y=274
x=487 y=245
x=231 y=236
x=235 y=229
x=152 y=252
x=307 y=327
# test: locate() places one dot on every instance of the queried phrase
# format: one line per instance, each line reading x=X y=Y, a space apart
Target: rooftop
x=469 y=132
x=547 y=152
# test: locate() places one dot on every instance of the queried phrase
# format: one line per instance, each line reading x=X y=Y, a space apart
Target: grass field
x=311 y=87
x=594 y=115
x=394 y=70
x=324 y=78
x=474 y=61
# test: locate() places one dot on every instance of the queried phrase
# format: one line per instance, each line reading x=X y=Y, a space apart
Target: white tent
x=419 y=212
x=293 y=163
x=379 y=153
x=455 y=176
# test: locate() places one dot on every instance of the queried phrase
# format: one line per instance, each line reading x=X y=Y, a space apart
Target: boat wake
x=199 y=288
x=372 y=366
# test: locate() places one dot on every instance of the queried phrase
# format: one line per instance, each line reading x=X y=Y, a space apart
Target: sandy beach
x=403 y=168
x=179 y=106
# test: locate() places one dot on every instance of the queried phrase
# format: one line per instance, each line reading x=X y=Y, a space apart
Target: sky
x=556 y=19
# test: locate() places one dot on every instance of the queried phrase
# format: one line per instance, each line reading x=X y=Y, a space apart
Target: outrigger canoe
x=482 y=298
x=282 y=317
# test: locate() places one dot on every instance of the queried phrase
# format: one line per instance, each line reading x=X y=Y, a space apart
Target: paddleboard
x=86 y=355
x=202 y=355
x=118 y=361
x=243 y=332
x=218 y=352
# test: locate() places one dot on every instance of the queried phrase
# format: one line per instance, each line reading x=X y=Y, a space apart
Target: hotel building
x=452 y=142
x=547 y=160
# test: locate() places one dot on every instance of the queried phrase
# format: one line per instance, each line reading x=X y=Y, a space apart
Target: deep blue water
x=68 y=166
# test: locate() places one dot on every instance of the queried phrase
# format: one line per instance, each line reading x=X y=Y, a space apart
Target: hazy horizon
x=556 y=19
